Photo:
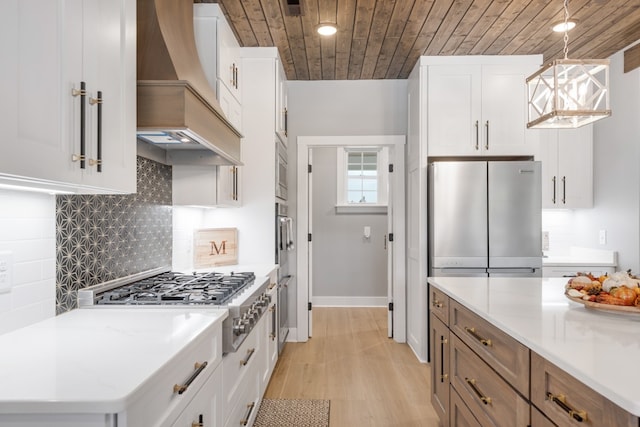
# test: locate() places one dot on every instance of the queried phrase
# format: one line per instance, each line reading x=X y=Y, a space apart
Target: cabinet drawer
x=550 y=385
x=539 y=420
x=243 y=411
x=500 y=351
x=439 y=302
x=206 y=406
x=489 y=397
x=461 y=416
x=237 y=367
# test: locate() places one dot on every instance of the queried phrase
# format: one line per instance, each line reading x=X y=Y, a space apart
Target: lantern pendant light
x=568 y=93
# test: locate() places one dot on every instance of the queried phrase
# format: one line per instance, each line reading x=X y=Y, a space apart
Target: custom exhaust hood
x=179 y=118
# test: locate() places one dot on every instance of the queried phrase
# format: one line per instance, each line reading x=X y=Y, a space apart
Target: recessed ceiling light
x=560 y=26
x=326 y=29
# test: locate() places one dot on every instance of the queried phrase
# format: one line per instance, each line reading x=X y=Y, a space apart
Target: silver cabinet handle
x=553 y=180
x=477 y=136
x=98 y=102
x=250 y=352
x=564 y=190
x=82 y=93
x=486 y=143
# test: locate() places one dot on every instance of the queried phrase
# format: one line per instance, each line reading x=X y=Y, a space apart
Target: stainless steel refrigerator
x=485 y=218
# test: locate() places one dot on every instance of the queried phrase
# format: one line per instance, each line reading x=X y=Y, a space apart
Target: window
x=362 y=176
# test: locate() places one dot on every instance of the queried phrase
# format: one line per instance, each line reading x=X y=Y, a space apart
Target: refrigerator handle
x=553 y=180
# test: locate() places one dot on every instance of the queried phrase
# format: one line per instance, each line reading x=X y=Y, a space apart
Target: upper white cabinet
x=228 y=186
x=219 y=54
x=68 y=104
x=478 y=106
x=194 y=185
x=281 y=103
x=567 y=167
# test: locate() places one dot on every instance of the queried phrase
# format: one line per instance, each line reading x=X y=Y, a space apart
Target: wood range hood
x=174 y=99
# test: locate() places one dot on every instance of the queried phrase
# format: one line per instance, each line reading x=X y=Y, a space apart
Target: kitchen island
x=546 y=339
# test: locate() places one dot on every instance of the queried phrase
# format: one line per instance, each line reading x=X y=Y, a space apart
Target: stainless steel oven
x=281 y=170
x=284 y=245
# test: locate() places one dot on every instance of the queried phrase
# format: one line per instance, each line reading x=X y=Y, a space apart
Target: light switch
x=367 y=232
x=6 y=271
x=545 y=240
x=602 y=237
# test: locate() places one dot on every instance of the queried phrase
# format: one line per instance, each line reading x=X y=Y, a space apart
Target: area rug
x=293 y=413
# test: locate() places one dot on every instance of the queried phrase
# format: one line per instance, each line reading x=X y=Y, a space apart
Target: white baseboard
x=350 y=301
x=292 y=336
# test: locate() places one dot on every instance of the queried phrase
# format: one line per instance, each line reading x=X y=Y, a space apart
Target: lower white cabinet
x=570 y=271
x=269 y=333
x=205 y=410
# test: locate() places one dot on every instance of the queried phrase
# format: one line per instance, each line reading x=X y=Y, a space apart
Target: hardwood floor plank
x=370 y=379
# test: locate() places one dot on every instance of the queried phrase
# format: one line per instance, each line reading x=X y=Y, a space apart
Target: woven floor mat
x=293 y=413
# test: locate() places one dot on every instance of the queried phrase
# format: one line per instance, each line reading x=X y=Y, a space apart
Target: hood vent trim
x=174 y=95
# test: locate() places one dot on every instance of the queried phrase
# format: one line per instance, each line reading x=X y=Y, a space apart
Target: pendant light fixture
x=568 y=93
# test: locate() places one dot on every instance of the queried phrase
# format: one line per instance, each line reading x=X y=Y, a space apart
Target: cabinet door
x=281 y=102
x=549 y=163
x=440 y=369
x=504 y=111
x=228 y=186
x=228 y=58
x=454 y=110
x=575 y=167
x=230 y=106
x=35 y=93
x=109 y=72
x=194 y=185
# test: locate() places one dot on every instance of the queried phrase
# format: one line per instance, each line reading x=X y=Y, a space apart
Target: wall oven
x=284 y=245
x=281 y=170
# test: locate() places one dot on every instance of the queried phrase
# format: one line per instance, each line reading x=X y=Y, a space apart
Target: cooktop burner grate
x=177 y=288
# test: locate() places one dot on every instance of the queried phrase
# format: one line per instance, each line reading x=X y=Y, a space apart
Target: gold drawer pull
x=560 y=400
x=199 y=367
x=199 y=423
x=472 y=383
x=437 y=304
x=245 y=420
x=473 y=333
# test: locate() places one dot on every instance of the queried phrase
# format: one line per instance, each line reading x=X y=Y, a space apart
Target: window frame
x=342 y=202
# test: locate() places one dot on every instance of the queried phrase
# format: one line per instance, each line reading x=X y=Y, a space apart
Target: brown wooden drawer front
x=461 y=416
x=439 y=302
x=440 y=369
x=503 y=353
x=488 y=396
x=539 y=420
x=598 y=411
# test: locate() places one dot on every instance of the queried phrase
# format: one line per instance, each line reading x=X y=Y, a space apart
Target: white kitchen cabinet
x=571 y=271
x=478 y=106
x=219 y=53
x=270 y=336
x=56 y=49
x=282 y=111
x=567 y=168
x=194 y=185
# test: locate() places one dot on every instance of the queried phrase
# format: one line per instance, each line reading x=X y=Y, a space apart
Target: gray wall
x=616 y=173
x=344 y=262
x=354 y=107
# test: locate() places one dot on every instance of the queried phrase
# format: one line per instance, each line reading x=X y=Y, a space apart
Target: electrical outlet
x=545 y=240
x=602 y=237
x=6 y=271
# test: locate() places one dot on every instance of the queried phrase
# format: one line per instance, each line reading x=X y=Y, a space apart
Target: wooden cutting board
x=214 y=247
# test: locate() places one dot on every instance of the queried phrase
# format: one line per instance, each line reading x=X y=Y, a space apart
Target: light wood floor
x=370 y=379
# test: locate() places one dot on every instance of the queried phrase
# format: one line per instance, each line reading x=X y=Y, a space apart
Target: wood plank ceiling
x=382 y=39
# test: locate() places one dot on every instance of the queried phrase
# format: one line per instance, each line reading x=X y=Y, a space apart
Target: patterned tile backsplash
x=105 y=237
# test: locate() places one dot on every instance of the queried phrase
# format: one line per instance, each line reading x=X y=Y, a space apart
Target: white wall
x=341 y=108
x=616 y=179
x=27 y=229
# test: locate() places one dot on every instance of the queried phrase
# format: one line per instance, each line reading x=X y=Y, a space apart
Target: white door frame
x=397 y=158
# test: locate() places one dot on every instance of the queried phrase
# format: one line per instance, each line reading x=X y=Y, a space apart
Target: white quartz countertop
x=588 y=344
x=93 y=360
x=578 y=256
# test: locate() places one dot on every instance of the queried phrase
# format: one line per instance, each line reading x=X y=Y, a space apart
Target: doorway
x=389 y=234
